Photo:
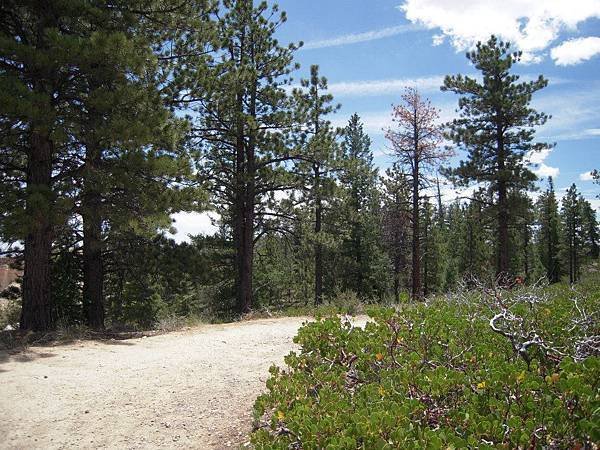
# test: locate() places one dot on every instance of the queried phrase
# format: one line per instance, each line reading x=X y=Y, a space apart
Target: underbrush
x=343 y=303
x=482 y=369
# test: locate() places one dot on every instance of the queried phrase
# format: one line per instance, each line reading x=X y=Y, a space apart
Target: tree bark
x=246 y=288
x=526 y=251
x=503 y=260
x=318 y=246
x=93 y=270
x=425 y=260
x=239 y=211
x=502 y=268
x=37 y=307
x=416 y=247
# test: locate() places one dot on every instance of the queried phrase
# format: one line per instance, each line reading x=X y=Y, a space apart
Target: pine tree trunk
x=93 y=273
x=526 y=251
x=502 y=267
x=37 y=308
x=425 y=260
x=246 y=287
x=246 y=259
x=238 y=208
x=503 y=260
x=571 y=259
x=359 y=264
x=416 y=248
x=318 y=246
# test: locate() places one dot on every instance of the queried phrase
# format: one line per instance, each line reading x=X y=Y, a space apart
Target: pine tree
x=497 y=128
x=46 y=49
x=474 y=240
x=548 y=234
x=590 y=230
x=396 y=226
x=243 y=120
x=96 y=111
x=317 y=163
x=572 y=231
x=416 y=144
x=361 y=209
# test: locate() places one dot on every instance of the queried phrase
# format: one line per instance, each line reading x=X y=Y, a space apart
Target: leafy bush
x=438 y=376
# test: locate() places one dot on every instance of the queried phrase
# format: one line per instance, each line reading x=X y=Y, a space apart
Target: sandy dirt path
x=190 y=389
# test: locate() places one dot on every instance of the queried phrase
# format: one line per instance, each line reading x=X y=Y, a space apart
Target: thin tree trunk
x=503 y=260
x=247 y=257
x=248 y=232
x=526 y=251
x=425 y=260
x=397 y=285
x=238 y=212
x=416 y=248
x=318 y=246
x=93 y=271
x=502 y=267
x=37 y=308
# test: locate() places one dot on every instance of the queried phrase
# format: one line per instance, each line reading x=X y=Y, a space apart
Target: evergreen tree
x=548 y=234
x=497 y=128
x=95 y=119
x=396 y=226
x=475 y=261
x=416 y=143
x=590 y=229
x=358 y=179
x=243 y=119
x=572 y=231
x=521 y=235
x=317 y=163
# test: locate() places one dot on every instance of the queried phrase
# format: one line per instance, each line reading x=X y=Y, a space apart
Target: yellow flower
x=381 y=391
x=280 y=415
x=378 y=356
x=481 y=385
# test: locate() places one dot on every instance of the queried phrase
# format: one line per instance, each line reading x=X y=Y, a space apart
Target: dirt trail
x=191 y=389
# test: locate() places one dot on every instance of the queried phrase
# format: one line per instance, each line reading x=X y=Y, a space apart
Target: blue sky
x=370 y=50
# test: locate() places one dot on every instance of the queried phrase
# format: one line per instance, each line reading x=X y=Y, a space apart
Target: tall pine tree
x=497 y=128
x=548 y=233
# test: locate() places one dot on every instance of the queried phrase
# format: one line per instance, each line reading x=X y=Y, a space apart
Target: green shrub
x=438 y=376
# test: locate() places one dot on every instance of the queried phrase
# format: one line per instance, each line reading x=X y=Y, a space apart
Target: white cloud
x=586 y=176
x=575 y=51
x=373 y=123
x=383 y=87
x=532 y=25
x=539 y=157
x=546 y=171
x=574 y=113
x=192 y=223
x=588 y=133
x=354 y=38
x=541 y=169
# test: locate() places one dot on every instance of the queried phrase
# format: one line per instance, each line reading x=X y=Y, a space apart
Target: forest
x=114 y=116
